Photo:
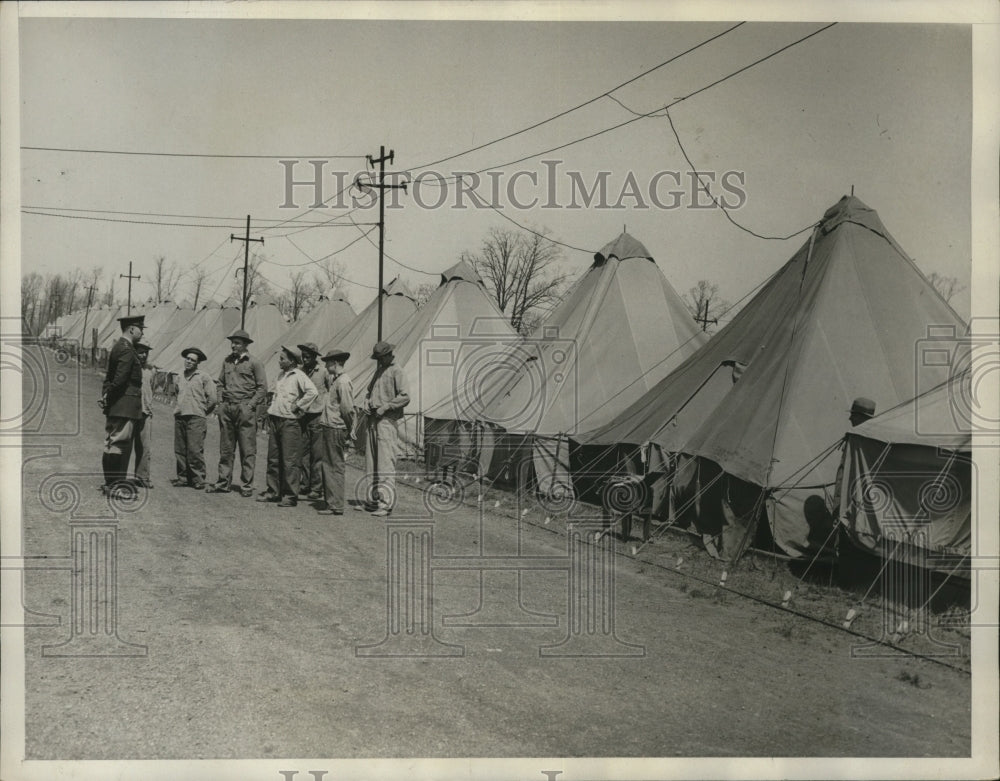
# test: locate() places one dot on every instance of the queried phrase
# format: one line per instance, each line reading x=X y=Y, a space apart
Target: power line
x=595 y=134
x=536 y=233
x=394 y=260
x=340 y=276
x=127 y=222
x=187 y=154
x=716 y=201
x=181 y=216
x=581 y=105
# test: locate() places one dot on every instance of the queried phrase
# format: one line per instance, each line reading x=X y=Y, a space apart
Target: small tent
x=906 y=480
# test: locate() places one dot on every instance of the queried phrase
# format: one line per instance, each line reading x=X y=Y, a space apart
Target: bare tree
x=948 y=287
x=423 y=291
x=256 y=284
x=198 y=283
x=521 y=272
x=327 y=278
x=293 y=302
x=109 y=295
x=166 y=275
x=704 y=303
x=32 y=286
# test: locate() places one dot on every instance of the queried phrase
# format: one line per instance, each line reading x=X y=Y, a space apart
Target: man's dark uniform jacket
x=122 y=388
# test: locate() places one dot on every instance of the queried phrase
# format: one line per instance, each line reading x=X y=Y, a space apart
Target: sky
x=885 y=109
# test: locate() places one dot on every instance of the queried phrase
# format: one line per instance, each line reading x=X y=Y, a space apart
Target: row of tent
x=737 y=435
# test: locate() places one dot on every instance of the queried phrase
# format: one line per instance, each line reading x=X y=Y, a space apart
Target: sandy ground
x=251 y=616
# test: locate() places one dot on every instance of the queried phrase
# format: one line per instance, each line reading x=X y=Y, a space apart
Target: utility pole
x=130 y=278
x=246 y=265
x=382 y=187
x=705 y=319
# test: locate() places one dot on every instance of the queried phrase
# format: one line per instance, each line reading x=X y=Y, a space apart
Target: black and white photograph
x=511 y=390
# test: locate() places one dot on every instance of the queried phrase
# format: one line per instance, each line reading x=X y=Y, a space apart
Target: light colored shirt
x=387 y=390
x=338 y=407
x=195 y=394
x=319 y=378
x=294 y=393
x=147 y=392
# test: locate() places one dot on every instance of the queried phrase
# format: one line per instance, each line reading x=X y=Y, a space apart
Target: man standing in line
x=242 y=385
x=121 y=400
x=294 y=393
x=384 y=402
x=196 y=399
x=144 y=426
x=312 y=435
x=337 y=430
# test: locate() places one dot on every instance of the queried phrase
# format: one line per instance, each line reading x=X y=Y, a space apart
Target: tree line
x=524 y=273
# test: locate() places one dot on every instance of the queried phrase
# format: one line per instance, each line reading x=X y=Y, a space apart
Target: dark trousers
x=333 y=446
x=189 y=447
x=237 y=425
x=312 y=452
x=284 y=457
x=119 y=434
x=143 y=431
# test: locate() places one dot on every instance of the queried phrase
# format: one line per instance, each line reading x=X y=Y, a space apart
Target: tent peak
x=462 y=270
x=397 y=287
x=624 y=247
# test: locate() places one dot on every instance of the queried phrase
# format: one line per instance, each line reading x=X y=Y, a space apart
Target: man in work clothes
x=294 y=393
x=312 y=444
x=196 y=400
x=242 y=385
x=336 y=430
x=121 y=400
x=144 y=426
x=384 y=402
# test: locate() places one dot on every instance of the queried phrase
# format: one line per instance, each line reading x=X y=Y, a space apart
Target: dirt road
x=251 y=617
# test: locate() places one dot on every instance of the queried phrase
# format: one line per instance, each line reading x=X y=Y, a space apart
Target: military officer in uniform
x=121 y=399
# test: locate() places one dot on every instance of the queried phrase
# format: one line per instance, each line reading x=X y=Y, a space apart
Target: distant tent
x=620 y=330
x=906 y=487
x=112 y=330
x=754 y=417
x=166 y=332
x=208 y=330
x=431 y=345
x=360 y=335
x=328 y=317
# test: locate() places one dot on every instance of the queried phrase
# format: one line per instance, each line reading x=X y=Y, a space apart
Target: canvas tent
x=906 y=480
x=209 y=327
x=613 y=336
x=752 y=420
x=360 y=335
x=318 y=325
x=434 y=346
